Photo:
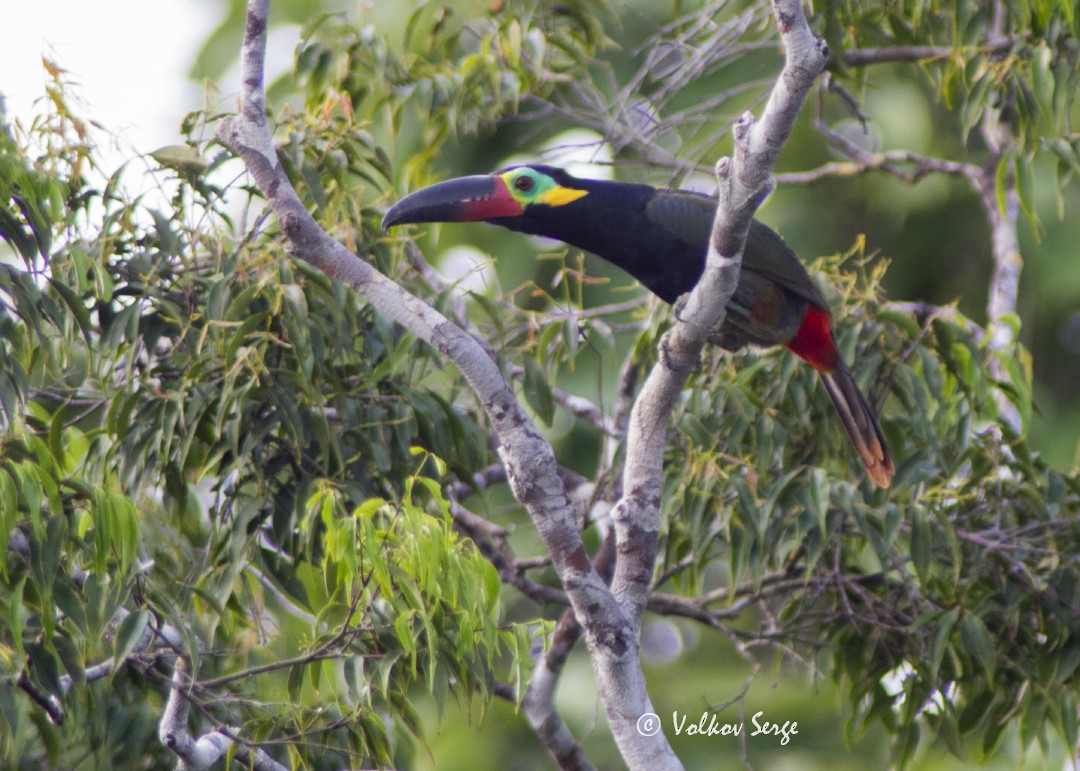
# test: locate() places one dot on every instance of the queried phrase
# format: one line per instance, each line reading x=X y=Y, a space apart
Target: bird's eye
x=524 y=184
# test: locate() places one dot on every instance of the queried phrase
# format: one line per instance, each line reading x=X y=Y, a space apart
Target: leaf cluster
x=209 y=446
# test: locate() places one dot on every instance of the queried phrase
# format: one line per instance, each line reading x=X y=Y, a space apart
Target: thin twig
x=864 y=57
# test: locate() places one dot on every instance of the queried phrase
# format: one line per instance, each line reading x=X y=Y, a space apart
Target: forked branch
x=610 y=619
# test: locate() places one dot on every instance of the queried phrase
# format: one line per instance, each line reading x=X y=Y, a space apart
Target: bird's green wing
x=689 y=217
x=685 y=215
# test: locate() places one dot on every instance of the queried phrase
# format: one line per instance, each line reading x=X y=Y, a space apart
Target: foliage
x=958 y=584
x=198 y=428
x=203 y=437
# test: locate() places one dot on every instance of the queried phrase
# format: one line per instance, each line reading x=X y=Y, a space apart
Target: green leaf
x=30 y=495
x=977 y=642
x=128 y=634
x=1032 y=719
x=1001 y=183
x=1025 y=188
x=314 y=672
x=909 y=326
x=920 y=545
x=9 y=512
x=77 y=307
x=103 y=531
x=15 y=233
x=44 y=667
x=974 y=107
x=538 y=393
x=942 y=632
x=571 y=333
x=378 y=743
x=352 y=673
x=184 y=158
x=70 y=656
x=9 y=711
x=1068 y=660
x=974 y=712
x=1066 y=708
x=492 y=587
x=295 y=683
x=15 y=618
x=52 y=551
x=1042 y=79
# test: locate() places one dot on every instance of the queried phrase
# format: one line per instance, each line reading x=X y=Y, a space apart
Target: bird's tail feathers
x=860 y=423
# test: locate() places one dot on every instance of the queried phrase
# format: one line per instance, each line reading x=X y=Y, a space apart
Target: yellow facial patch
x=533 y=187
x=560 y=196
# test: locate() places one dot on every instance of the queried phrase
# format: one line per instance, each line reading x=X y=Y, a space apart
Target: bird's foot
x=680 y=306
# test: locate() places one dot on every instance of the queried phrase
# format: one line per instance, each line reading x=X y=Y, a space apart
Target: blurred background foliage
x=200 y=428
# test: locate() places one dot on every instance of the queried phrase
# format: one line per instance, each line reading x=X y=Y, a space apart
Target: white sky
x=129 y=59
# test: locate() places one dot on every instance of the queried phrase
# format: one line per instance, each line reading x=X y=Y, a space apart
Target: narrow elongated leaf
x=978 y=642
x=128 y=634
x=15 y=617
x=940 y=640
x=538 y=393
x=920 y=545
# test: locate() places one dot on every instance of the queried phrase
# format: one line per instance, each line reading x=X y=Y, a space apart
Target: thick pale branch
x=743 y=184
x=1004 y=292
x=538 y=705
x=528 y=458
x=204 y=751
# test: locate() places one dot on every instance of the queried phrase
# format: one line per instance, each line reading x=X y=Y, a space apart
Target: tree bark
x=611 y=618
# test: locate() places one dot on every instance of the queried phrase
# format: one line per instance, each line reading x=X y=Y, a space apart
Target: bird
x=661 y=238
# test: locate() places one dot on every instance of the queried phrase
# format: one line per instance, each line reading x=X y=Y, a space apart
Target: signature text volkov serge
x=710 y=725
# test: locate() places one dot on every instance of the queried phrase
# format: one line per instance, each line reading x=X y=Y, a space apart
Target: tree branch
x=204 y=751
x=743 y=182
x=1001 y=213
x=863 y=57
x=610 y=619
x=163 y=637
x=743 y=185
x=1002 y=217
x=903 y=164
x=529 y=460
x=538 y=705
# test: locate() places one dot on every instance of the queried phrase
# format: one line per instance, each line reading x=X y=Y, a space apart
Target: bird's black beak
x=466 y=199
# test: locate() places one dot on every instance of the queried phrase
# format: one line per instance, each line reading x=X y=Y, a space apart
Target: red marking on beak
x=466 y=199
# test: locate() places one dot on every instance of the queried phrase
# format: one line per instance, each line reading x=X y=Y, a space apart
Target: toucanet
x=660 y=237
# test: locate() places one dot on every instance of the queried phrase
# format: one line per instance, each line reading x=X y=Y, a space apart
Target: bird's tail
x=859 y=422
